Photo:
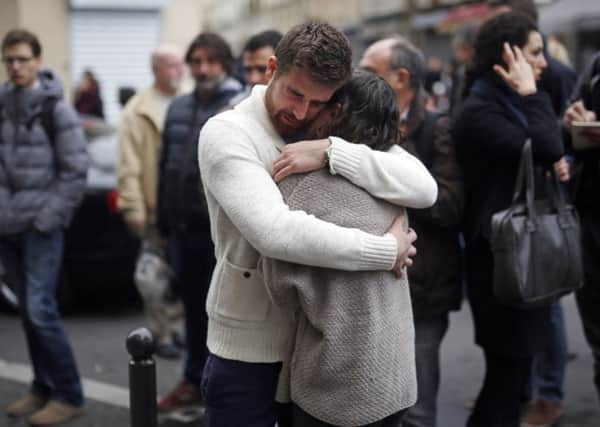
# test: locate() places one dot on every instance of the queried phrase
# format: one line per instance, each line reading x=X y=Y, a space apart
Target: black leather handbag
x=535 y=243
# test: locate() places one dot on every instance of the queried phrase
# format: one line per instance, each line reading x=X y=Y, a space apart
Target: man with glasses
x=43 y=166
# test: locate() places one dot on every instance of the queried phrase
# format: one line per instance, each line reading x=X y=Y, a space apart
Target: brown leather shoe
x=55 y=412
x=183 y=396
x=25 y=405
x=542 y=413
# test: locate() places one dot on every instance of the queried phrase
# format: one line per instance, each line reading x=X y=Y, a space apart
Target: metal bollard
x=142 y=379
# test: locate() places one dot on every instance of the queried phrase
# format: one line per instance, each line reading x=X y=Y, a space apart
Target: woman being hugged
x=502 y=109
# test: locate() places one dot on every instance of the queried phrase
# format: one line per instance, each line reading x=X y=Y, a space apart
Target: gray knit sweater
x=353 y=359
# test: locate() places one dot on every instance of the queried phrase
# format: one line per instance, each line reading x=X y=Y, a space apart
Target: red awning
x=461 y=15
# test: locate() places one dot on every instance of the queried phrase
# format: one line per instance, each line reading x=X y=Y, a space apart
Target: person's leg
x=187 y=262
x=11 y=257
x=546 y=385
x=197 y=268
x=239 y=393
x=303 y=419
x=51 y=352
x=588 y=301
x=428 y=337
x=551 y=363
x=499 y=401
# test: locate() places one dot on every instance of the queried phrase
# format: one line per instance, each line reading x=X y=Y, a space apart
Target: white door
x=116 y=45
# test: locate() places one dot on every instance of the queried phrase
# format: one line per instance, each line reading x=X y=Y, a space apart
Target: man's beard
x=209 y=84
x=283 y=129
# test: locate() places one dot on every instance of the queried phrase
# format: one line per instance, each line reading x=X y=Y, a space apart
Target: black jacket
x=587 y=180
x=435 y=277
x=489 y=137
x=181 y=205
x=489 y=140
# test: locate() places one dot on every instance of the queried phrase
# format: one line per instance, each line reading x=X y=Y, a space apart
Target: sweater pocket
x=242 y=294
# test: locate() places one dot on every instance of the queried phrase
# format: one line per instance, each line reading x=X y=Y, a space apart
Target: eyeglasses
x=259 y=68
x=9 y=60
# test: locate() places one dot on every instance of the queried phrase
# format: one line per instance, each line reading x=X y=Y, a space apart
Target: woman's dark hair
x=369 y=114
x=512 y=28
x=93 y=80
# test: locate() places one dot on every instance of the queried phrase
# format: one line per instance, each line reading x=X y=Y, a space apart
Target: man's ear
x=271 y=66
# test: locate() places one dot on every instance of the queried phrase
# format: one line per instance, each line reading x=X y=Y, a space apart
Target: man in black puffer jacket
x=43 y=166
x=182 y=212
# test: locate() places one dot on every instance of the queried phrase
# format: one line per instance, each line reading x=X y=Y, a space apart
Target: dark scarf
x=507 y=97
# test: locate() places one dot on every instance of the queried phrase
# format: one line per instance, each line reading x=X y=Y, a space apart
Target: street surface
x=98 y=329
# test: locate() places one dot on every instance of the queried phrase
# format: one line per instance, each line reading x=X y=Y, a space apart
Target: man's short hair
x=317 y=48
x=406 y=55
x=526 y=7
x=268 y=38
x=219 y=48
x=17 y=36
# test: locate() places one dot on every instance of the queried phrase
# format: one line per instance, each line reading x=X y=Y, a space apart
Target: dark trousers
x=242 y=394
x=193 y=261
x=429 y=333
x=499 y=401
x=588 y=297
x=303 y=419
x=33 y=259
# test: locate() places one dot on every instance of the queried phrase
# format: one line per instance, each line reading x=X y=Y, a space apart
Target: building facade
x=113 y=38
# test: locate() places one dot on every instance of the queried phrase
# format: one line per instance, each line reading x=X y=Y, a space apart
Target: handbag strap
x=525 y=184
x=558 y=198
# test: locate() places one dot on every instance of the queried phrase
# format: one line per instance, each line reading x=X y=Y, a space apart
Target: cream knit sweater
x=248 y=216
x=353 y=356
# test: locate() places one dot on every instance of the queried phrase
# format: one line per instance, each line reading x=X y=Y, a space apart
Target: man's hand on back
x=405 y=237
x=300 y=157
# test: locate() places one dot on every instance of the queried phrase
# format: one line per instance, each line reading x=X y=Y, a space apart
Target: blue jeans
x=193 y=261
x=242 y=394
x=428 y=338
x=549 y=367
x=33 y=259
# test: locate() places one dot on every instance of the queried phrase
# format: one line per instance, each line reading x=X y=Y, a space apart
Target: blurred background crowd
x=106 y=51
x=113 y=39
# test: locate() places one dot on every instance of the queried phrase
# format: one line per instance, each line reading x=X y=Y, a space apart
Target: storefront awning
x=462 y=15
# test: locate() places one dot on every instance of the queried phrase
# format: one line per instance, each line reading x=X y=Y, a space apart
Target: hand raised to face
x=519 y=75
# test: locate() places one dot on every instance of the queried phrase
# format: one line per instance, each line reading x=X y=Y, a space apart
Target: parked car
x=100 y=251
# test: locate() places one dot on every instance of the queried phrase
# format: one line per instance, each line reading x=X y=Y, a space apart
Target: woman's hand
x=520 y=76
x=578 y=113
x=561 y=168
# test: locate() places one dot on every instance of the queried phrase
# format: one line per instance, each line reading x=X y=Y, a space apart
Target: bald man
x=137 y=167
x=435 y=276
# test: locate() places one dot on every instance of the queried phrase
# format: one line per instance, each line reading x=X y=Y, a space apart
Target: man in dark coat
x=586 y=108
x=435 y=277
x=182 y=214
x=43 y=166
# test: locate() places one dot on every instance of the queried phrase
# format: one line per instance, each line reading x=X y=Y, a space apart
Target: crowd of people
x=287 y=212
